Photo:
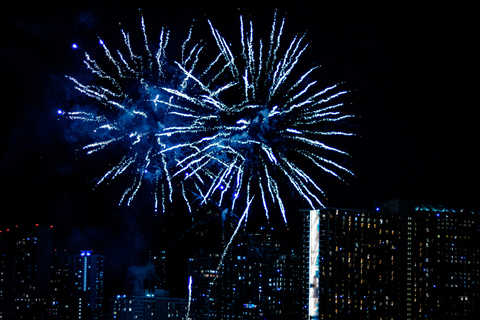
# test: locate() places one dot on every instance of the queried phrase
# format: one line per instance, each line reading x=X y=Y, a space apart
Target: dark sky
x=412 y=69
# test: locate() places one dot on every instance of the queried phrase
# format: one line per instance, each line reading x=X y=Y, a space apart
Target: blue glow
x=85 y=274
x=85 y=253
x=74 y=46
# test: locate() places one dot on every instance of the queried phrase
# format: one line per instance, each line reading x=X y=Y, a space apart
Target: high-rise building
x=38 y=283
x=255 y=280
x=63 y=290
x=88 y=271
x=25 y=262
x=77 y=285
x=243 y=284
x=202 y=268
x=398 y=261
x=156 y=274
x=284 y=291
x=445 y=264
x=353 y=266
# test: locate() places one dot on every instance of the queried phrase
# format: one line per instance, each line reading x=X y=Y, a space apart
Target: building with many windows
x=255 y=280
x=78 y=285
x=25 y=262
x=398 y=261
x=152 y=305
x=202 y=268
x=354 y=266
x=88 y=271
x=443 y=269
x=37 y=282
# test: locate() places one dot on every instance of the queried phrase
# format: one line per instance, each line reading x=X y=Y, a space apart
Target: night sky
x=412 y=70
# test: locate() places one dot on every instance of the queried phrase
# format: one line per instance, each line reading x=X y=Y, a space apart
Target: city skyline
x=409 y=68
x=399 y=260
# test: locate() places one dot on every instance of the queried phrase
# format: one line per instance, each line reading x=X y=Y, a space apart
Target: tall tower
x=88 y=269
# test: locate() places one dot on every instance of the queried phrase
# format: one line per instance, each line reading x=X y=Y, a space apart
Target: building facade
x=38 y=283
x=152 y=305
x=78 y=285
x=256 y=280
x=398 y=261
x=25 y=276
x=88 y=271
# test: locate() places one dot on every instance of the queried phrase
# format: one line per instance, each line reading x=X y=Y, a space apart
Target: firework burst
x=253 y=125
x=132 y=113
x=229 y=127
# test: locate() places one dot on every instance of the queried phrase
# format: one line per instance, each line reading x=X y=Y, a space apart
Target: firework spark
x=228 y=127
x=189 y=297
x=250 y=127
x=132 y=113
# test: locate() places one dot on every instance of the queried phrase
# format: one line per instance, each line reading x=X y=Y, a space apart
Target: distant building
x=284 y=292
x=133 y=307
x=445 y=264
x=78 y=285
x=153 y=305
x=258 y=280
x=63 y=290
x=88 y=271
x=38 y=283
x=156 y=275
x=398 y=261
x=203 y=270
x=25 y=263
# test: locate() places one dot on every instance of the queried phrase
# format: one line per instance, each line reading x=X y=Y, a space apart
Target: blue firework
x=252 y=125
x=229 y=127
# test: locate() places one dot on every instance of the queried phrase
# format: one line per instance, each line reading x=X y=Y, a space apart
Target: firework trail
x=226 y=128
x=240 y=221
x=189 y=297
